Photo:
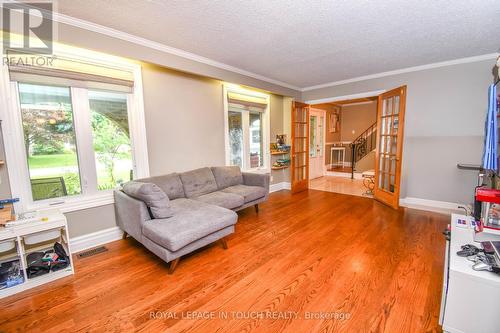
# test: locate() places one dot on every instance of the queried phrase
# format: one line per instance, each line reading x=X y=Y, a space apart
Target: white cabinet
x=471 y=299
x=16 y=243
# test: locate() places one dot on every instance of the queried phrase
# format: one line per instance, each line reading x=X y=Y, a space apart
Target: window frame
x=266 y=129
x=15 y=153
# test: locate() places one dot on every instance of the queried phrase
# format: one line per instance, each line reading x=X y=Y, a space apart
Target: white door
x=316 y=143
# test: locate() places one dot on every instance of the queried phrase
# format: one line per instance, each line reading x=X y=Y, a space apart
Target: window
x=247 y=131
x=111 y=138
x=49 y=141
x=72 y=137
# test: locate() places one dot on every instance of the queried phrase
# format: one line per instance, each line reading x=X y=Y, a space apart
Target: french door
x=300 y=149
x=316 y=143
x=390 y=126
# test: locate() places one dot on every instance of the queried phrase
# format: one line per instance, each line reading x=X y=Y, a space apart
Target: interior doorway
x=355 y=148
x=348 y=148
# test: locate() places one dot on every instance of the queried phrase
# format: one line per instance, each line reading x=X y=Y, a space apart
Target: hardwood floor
x=340 y=169
x=350 y=263
x=339 y=185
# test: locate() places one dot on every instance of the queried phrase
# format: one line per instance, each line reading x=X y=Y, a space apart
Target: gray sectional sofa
x=201 y=205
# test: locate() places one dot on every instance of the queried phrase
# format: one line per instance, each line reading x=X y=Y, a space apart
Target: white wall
x=445 y=112
x=184 y=120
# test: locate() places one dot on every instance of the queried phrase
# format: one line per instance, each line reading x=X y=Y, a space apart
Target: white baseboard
x=357 y=175
x=279 y=187
x=344 y=165
x=432 y=205
x=94 y=239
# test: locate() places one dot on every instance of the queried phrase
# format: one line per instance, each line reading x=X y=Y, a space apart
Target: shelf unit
x=462 y=285
x=52 y=224
x=279 y=153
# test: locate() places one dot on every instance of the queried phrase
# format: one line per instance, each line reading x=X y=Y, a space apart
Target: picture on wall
x=334 y=121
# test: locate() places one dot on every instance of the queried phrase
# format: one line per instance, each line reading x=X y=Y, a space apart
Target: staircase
x=363 y=145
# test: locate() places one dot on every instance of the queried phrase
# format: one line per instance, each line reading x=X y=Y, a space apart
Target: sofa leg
x=124 y=235
x=172 y=266
x=256 y=208
x=224 y=243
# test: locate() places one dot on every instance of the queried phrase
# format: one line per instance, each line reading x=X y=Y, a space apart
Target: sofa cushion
x=192 y=220
x=198 y=182
x=226 y=176
x=153 y=197
x=222 y=199
x=249 y=193
x=170 y=184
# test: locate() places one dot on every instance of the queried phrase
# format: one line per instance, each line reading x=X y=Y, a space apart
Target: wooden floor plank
x=312 y=253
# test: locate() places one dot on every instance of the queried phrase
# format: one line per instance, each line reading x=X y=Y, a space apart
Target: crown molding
x=90 y=26
x=405 y=70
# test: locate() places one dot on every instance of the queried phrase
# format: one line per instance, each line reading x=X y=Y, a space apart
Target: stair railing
x=362 y=145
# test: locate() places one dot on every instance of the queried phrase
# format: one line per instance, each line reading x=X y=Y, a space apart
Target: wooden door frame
x=303 y=185
x=400 y=137
x=323 y=112
x=391 y=199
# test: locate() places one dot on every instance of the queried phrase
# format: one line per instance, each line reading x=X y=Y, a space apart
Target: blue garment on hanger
x=490 y=154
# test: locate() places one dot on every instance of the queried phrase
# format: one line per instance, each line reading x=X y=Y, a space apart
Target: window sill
x=76 y=203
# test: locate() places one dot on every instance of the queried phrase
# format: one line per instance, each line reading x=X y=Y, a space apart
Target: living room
x=170 y=162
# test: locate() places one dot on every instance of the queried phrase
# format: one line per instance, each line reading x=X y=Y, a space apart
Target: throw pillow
x=153 y=196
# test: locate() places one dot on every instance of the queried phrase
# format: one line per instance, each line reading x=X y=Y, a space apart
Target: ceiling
x=306 y=43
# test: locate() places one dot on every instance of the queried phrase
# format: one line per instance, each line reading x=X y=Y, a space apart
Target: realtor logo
x=31 y=20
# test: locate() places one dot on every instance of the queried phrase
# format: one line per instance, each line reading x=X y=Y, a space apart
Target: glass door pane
x=388 y=143
x=49 y=139
x=312 y=135
x=301 y=145
x=256 y=135
x=235 y=128
x=321 y=142
x=390 y=118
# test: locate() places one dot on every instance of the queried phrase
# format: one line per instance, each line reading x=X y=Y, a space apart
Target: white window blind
x=240 y=101
x=68 y=72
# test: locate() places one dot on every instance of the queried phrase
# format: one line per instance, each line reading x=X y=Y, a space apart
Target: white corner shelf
x=52 y=222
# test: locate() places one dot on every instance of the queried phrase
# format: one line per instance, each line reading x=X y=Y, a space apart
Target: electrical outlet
x=271 y=178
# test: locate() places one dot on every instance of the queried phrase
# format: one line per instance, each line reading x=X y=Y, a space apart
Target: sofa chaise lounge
x=202 y=204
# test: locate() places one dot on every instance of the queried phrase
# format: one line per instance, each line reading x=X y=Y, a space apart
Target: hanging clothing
x=490 y=153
